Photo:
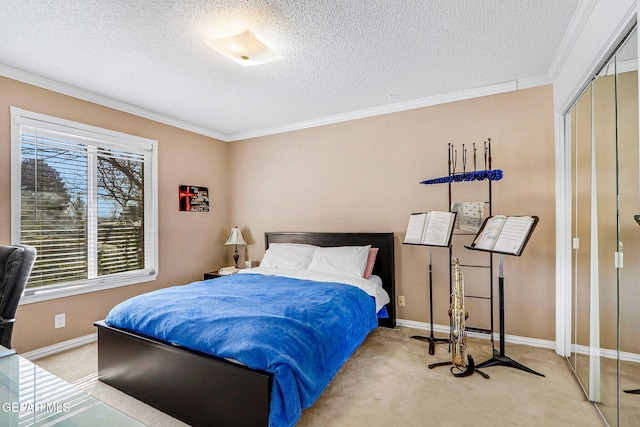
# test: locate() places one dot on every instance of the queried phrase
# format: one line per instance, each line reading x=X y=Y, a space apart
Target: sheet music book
x=430 y=228
x=470 y=215
x=505 y=234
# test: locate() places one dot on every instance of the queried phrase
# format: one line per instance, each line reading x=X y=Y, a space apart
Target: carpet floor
x=387 y=382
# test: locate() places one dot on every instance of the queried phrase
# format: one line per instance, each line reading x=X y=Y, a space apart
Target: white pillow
x=288 y=255
x=376 y=279
x=349 y=260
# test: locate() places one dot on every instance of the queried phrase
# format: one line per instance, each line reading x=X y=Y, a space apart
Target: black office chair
x=16 y=262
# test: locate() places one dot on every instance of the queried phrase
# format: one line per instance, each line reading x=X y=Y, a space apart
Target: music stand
x=499 y=358
x=444 y=241
x=431 y=339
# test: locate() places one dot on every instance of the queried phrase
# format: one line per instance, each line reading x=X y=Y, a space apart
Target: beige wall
x=189 y=243
x=361 y=175
x=364 y=175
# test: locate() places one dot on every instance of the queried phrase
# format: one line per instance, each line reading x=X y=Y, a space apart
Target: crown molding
x=599 y=28
x=462 y=95
x=65 y=89
x=571 y=35
x=531 y=82
x=84 y=95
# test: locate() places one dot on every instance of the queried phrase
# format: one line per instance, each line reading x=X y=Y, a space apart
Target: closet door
x=626 y=62
x=605 y=175
x=604 y=238
x=580 y=118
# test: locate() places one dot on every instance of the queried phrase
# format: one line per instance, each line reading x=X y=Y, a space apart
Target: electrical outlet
x=59 y=321
x=401 y=301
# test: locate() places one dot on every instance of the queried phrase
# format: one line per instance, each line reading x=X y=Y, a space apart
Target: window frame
x=21 y=117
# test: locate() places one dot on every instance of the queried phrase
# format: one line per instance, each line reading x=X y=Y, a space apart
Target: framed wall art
x=193 y=198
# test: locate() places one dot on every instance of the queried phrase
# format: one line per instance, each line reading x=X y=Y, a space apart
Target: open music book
x=505 y=234
x=430 y=228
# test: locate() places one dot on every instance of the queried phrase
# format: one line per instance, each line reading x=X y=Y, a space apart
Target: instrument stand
x=500 y=358
x=431 y=339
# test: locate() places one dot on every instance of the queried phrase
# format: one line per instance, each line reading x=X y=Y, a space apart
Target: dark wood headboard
x=384 y=266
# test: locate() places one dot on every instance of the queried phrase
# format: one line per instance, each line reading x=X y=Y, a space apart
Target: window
x=86 y=198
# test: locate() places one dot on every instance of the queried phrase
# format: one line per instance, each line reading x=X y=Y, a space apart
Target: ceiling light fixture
x=245 y=49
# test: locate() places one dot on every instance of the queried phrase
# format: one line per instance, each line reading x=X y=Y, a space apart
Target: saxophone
x=462 y=361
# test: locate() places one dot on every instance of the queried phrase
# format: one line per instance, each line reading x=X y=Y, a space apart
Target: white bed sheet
x=369 y=286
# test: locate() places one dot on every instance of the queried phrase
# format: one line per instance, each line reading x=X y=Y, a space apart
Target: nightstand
x=211 y=275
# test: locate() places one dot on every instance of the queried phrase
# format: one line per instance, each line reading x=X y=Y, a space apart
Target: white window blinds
x=85 y=197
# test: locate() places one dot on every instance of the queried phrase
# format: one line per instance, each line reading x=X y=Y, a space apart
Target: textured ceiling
x=340 y=56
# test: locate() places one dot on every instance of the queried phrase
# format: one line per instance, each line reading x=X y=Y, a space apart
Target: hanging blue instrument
x=491 y=174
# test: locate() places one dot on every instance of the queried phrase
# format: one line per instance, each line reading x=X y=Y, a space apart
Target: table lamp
x=235 y=238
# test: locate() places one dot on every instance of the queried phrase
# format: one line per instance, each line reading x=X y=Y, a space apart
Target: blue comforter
x=301 y=331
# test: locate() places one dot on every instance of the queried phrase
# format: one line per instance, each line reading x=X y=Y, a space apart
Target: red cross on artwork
x=185 y=195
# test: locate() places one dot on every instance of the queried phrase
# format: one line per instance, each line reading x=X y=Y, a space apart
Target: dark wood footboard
x=198 y=389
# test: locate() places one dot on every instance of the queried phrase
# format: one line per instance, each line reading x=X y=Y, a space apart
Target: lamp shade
x=244 y=48
x=235 y=237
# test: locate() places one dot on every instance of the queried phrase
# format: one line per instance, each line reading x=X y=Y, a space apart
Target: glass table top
x=32 y=396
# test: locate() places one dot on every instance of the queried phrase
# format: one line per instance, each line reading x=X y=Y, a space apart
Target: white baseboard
x=534 y=342
x=625 y=356
x=60 y=347
x=514 y=339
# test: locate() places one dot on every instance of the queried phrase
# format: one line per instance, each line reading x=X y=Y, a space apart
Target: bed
x=202 y=389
